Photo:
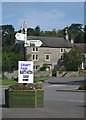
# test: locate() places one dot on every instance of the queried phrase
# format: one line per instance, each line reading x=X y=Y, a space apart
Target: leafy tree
x=8 y=37
x=79 y=38
x=30 y=31
x=60 y=33
x=76 y=33
x=10 y=60
x=37 y=31
x=85 y=34
x=73 y=59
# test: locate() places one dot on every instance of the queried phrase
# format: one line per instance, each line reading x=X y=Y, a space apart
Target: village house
x=49 y=53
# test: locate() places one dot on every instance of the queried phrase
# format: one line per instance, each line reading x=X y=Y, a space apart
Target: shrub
x=61 y=69
x=43 y=68
x=82 y=87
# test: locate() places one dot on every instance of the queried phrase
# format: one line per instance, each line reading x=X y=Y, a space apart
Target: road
x=56 y=104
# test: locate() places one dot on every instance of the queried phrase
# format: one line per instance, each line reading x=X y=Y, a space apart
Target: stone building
x=49 y=53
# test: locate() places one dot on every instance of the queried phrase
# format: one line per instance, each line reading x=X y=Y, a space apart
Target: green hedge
x=24 y=99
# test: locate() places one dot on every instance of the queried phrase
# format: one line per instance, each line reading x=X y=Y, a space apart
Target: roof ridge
x=46 y=37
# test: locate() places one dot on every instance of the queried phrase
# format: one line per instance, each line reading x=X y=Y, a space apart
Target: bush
x=73 y=59
x=43 y=68
x=82 y=87
x=61 y=69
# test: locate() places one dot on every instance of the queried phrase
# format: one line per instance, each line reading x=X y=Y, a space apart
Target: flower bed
x=24 y=96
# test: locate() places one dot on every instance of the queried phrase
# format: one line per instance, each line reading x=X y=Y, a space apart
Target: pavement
x=57 y=104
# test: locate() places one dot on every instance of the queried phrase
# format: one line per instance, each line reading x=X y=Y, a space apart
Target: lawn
x=11 y=81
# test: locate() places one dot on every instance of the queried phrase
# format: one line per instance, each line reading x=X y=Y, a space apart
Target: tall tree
x=8 y=36
x=30 y=31
x=37 y=31
x=76 y=33
x=85 y=34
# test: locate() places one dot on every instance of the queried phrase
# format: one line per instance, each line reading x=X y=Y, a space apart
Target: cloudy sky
x=48 y=15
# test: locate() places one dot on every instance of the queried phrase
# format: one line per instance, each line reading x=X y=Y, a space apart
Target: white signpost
x=25 y=68
x=33 y=43
x=25 y=71
x=28 y=43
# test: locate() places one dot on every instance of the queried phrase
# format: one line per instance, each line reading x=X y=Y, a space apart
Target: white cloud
x=44 y=19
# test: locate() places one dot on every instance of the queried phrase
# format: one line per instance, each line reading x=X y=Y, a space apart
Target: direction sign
x=33 y=43
x=20 y=36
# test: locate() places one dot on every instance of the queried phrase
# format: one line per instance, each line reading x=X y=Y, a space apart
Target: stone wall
x=36 y=74
x=42 y=73
x=11 y=75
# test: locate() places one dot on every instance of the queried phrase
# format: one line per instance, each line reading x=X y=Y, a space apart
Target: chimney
x=66 y=34
x=72 y=41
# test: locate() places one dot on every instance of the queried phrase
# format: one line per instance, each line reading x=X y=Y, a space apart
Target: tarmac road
x=56 y=104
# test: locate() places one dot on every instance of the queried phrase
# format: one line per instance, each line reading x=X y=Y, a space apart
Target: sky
x=47 y=15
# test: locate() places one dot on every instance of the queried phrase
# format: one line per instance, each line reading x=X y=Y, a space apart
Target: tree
x=8 y=37
x=76 y=33
x=30 y=31
x=73 y=59
x=37 y=31
x=10 y=60
x=85 y=34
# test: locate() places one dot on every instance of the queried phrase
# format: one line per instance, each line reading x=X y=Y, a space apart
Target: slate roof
x=52 y=42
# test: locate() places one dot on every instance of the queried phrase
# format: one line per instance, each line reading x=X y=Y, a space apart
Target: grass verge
x=12 y=82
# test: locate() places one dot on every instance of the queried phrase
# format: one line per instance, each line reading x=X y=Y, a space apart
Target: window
x=47 y=57
x=34 y=49
x=35 y=57
x=36 y=67
x=62 y=50
x=61 y=57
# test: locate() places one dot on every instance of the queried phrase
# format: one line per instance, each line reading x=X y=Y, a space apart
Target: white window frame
x=35 y=57
x=35 y=49
x=63 y=50
x=49 y=57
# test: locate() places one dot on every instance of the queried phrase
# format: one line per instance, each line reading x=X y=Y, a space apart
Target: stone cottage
x=49 y=53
